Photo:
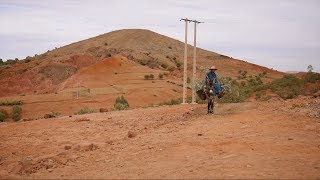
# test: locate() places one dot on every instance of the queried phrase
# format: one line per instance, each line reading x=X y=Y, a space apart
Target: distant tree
x=16 y=59
x=310 y=68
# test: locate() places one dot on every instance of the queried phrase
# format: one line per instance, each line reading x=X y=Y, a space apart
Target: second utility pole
x=184 y=94
x=194 y=75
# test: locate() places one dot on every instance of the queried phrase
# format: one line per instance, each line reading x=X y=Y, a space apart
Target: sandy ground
x=258 y=140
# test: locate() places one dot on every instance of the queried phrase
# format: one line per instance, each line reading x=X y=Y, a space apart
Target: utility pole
x=194 y=76
x=184 y=94
x=185 y=61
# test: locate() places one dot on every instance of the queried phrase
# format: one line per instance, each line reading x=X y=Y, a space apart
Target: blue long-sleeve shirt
x=211 y=76
x=216 y=85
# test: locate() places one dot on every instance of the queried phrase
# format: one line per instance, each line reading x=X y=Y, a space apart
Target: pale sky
x=279 y=34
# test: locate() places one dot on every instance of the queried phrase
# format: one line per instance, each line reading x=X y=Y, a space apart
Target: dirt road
x=246 y=140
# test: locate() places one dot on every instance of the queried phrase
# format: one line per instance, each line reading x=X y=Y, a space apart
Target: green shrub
x=188 y=80
x=178 y=64
x=10 y=103
x=16 y=113
x=287 y=87
x=2 y=117
x=160 y=76
x=85 y=110
x=151 y=76
x=171 y=68
x=121 y=103
x=147 y=76
x=3 y=111
x=164 y=65
x=311 y=77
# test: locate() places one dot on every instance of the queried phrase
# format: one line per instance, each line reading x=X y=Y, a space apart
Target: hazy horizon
x=283 y=35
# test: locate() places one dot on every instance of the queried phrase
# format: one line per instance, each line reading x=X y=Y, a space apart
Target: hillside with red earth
x=271 y=139
x=107 y=66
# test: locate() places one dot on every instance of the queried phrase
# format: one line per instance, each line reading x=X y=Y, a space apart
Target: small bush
x=16 y=113
x=85 y=110
x=311 y=77
x=178 y=64
x=10 y=103
x=121 y=103
x=160 y=76
x=3 y=111
x=164 y=65
x=171 y=69
x=287 y=87
x=2 y=117
x=147 y=77
x=188 y=80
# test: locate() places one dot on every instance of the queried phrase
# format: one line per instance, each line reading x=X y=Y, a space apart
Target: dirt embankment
x=245 y=140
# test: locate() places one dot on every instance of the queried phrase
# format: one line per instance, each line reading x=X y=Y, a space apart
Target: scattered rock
x=49 y=115
x=199 y=134
x=27 y=119
x=109 y=117
x=290 y=139
x=67 y=147
x=85 y=146
x=131 y=134
x=70 y=116
x=103 y=110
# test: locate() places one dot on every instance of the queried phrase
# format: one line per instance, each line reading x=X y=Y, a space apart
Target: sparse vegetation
x=82 y=93
x=121 y=103
x=148 y=76
x=287 y=87
x=16 y=113
x=8 y=62
x=11 y=103
x=3 y=115
x=171 y=68
x=85 y=110
x=311 y=77
x=188 y=80
x=163 y=65
x=172 y=102
x=160 y=76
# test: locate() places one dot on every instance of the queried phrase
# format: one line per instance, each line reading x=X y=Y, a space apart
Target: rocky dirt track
x=275 y=139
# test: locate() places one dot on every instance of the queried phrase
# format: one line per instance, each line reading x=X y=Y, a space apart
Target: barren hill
x=94 y=72
x=45 y=72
